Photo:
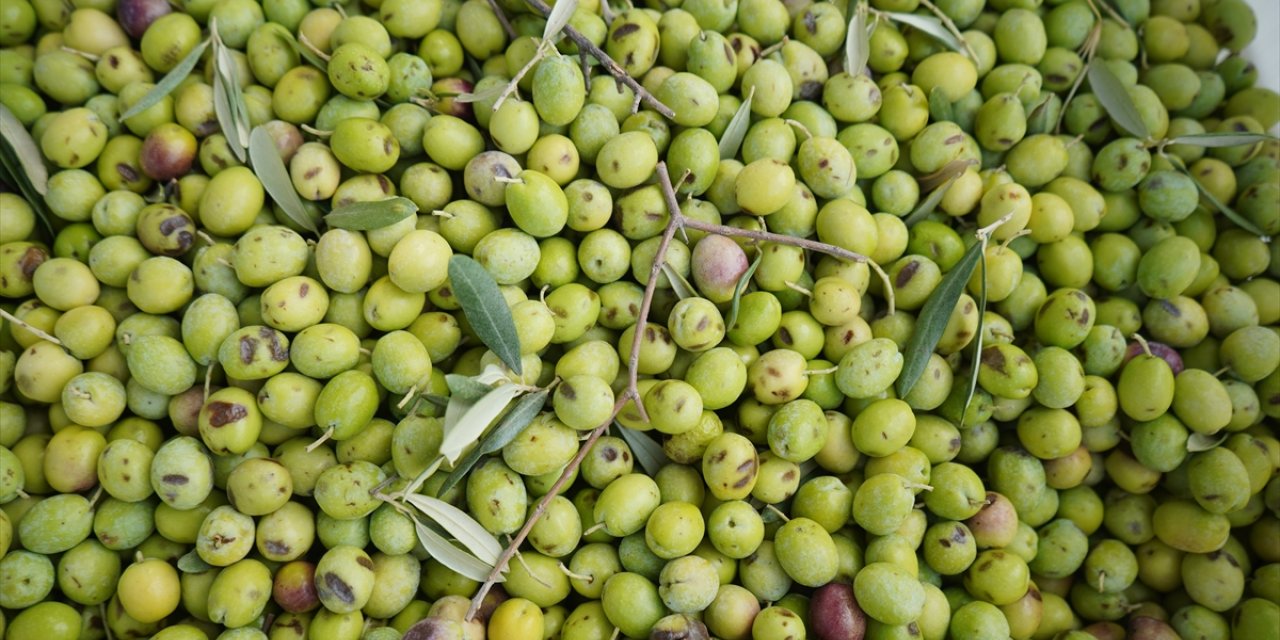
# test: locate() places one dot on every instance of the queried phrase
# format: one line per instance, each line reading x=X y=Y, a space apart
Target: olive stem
x=951 y=26
x=800 y=125
x=769 y=507
x=1087 y=51
x=328 y=433
x=821 y=372
x=39 y=333
x=319 y=133
x=514 y=84
x=413 y=391
x=776 y=46
x=83 y=54
x=576 y=576
x=798 y=289
x=986 y=231
x=502 y=19
x=1111 y=12
x=585 y=44
x=1143 y=342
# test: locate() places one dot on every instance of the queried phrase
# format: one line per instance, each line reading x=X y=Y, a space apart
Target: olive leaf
x=191 y=562
x=228 y=97
x=487 y=94
x=269 y=167
x=561 y=12
x=929 y=25
x=370 y=214
x=933 y=319
x=519 y=417
x=679 y=284
x=450 y=556
x=168 y=83
x=305 y=52
x=1231 y=214
x=1115 y=99
x=736 y=130
x=857 y=42
x=425 y=475
x=458 y=524
x=977 y=338
x=473 y=422
x=23 y=165
x=24 y=150
x=486 y=309
x=739 y=288
x=648 y=453
x=1197 y=442
x=466 y=388
x=940 y=182
x=1225 y=139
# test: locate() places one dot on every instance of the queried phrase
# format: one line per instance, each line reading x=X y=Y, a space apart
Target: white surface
x=1265 y=49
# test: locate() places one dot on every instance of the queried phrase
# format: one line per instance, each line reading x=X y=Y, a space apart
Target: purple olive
x=136 y=15
x=834 y=613
x=1148 y=628
x=717 y=264
x=1159 y=350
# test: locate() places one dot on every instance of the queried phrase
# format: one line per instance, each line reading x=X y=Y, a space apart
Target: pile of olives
x=206 y=394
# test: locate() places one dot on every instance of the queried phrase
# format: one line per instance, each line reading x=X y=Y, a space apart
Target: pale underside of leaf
x=857 y=44
x=228 y=102
x=472 y=423
x=486 y=309
x=450 y=556
x=933 y=319
x=648 y=453
x=1115 y=98
x=270 y=170
x=371 y=214
x=1203 y=442
x=168 y=83
x=930 y=26
x=461 y=526
x=736 y=130
x=524 y=412
x=561 y=12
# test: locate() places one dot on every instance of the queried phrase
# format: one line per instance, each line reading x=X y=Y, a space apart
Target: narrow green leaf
x=1226 y=139
x=857 y=43
x=228 y=98
x=736 y=130
x=977 y=339
x=519 y=417
x=11 y=173
x=940 y=182
x=1228 y=212
x=939 y=106
x=1197 y=442
x=740 y=288
x=1115 y=99
x=486 y=309
x=191 y=562
x=475 y=420
x=679 y=284
x=305 y=52
x=930 y=26
x=466 y=388
x=370 y=214
x=559 y=17
x=450 y=556
x=461 y=526
x=168 y=83
x=25 y=150
x=269 y=167
x=934 y=317
x=648 y=453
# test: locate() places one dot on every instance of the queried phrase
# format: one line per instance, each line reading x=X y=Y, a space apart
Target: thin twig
x=614 y=69
x=951 y=26
x=502 y=18
x=39 y=333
